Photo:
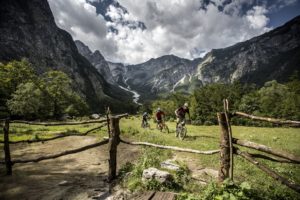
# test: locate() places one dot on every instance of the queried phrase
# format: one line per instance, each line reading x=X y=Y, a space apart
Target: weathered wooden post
x=224 y=148
x=114 y=140
x=108 y=113
x=226 y=111
x=6 y=148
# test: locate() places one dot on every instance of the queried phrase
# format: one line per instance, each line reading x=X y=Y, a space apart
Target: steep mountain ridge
x=96 y=59
x=273 y=55
x=160 y=75
x=28 y=30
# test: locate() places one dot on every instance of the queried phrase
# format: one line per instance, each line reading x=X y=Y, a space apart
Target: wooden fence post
x=108 y=113
x=224 y=148
x=226 y=111
x=114 y=140
x=6 y=148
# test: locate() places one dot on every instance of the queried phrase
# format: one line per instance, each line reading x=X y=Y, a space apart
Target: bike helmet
x=158 y=109
x=186 y=105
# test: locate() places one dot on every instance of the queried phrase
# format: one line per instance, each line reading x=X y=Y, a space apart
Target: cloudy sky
x=133 y=31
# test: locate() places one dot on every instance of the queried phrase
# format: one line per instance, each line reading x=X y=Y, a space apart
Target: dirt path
x=82 y=175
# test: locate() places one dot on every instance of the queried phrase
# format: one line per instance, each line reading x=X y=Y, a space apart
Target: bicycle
x=181 y=130
x=162 y=126
x=145 y=124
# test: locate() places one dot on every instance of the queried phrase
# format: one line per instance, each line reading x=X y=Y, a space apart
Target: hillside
x=273 y=55
x=28 y=30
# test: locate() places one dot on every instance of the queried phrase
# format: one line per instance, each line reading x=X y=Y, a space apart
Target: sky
x=134 y=31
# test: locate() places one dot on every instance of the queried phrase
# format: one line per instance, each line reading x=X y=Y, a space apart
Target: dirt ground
x=76 y=176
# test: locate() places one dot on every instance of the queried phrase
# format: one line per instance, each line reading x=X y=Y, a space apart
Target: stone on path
x=168 y=164
x=160 y=176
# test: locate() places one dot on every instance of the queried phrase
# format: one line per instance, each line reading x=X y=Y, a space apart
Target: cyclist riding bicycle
x=159 y=117
x=180 y=114
x=145 y=118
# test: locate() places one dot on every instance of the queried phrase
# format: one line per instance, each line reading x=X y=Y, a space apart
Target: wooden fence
x=228 y=149
x=8 y=160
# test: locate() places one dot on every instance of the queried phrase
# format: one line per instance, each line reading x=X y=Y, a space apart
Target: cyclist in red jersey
x=159 y=116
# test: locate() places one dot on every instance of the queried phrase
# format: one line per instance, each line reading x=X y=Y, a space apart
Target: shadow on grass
x=198 y=137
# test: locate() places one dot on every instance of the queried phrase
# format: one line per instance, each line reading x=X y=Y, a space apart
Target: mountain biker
x=180 y=113
x=145 y=118
x=159 y=116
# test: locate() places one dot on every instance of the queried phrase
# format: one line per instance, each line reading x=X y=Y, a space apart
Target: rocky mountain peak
x=273 y=55
x=97 y=60
x=28 y=30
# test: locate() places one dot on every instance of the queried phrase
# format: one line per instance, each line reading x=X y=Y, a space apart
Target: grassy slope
x=207 y=138
x=199 y=137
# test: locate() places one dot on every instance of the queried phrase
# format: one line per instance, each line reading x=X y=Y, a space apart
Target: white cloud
x=257 y=17
x=177 y=27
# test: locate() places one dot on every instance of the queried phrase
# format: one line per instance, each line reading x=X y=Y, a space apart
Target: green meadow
x=199 y=138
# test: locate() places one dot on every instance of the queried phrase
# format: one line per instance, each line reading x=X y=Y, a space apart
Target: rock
x=95 y=116
x=34 y=35
x=210 y=172
x=160 y=176
x=63 y=183
x=169 y=165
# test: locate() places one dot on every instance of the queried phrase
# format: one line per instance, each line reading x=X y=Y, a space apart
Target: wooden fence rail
x=268 y=171
x=209 y=152
x=226 y=160
x=266 y=149
x=268 y=119
x=56 y=137
x=9 y=163
x=57 y=123
x=59 y=154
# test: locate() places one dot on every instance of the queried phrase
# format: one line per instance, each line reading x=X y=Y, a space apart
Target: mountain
x=160 y=75
x=118 y=71
x=97 y=60
x=113 y=73
x=273 y=55
x=28 y=30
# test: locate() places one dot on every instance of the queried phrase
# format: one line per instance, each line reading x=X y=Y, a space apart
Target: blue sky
x=134 y=31
x=279 y=17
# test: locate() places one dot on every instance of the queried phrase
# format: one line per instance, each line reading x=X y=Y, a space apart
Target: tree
x=11 y=75
x=30 y=96
x=27 y=101
x=277 y=100
x=60 y=95
x=14 y=73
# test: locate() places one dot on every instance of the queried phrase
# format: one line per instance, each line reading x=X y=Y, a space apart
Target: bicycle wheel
x=167 y=128
x=178 y=130
x=182 y=133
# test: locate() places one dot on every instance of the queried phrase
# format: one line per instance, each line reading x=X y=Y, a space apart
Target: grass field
x=200 y=138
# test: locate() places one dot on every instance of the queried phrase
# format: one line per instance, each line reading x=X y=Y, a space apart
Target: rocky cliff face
x=160 y=75
x=273 y=55
x=97 y=60
x=118 y=71
x=28 y=30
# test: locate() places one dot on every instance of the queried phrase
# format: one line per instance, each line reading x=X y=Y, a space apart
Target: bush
x=197 y=122
x=208 y=123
